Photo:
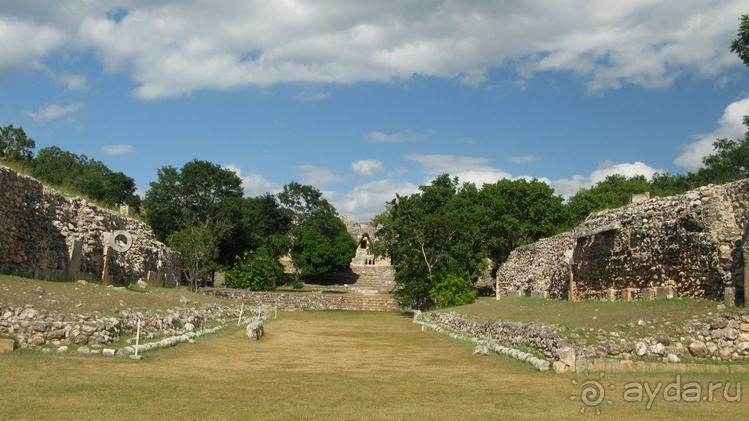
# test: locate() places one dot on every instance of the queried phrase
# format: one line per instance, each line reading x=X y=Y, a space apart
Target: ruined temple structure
x=367 y=274
x=690 y=245
x=46 y=235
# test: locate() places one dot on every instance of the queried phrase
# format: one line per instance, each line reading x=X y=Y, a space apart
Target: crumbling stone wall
x=694 y=243
x=40 y=228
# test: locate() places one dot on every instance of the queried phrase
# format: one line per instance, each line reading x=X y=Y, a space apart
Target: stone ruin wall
x=40 y=228
x=693 y=243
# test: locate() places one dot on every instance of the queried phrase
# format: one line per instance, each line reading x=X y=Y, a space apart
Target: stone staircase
x=378 y=279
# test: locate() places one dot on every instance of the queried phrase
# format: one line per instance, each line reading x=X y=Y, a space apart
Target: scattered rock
x=480 y=350
x=698 y=349
x=255 y=329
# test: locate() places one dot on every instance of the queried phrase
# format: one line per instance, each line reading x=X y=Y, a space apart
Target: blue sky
x=365 y=99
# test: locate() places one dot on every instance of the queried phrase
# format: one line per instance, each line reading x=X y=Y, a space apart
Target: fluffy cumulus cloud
x=366 y=201
x=26 y=42
x=254 y=184
x=730 y=126
x=367 y=168
x=53 y=112
x=568 y=187
x=172 y=47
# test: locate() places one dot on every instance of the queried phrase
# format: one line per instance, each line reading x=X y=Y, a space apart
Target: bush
x=453 y=290
x=258 y=271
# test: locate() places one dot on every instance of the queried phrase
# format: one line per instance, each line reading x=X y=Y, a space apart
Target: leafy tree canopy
x=430 y=235
x=321 y=242
x=87 y=176
x=15 y=145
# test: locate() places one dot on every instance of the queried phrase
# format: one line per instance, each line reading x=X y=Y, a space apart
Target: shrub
x=257 y=270
x=453 y=290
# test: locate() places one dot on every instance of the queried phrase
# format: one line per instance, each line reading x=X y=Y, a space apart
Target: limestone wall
x=40 y=229
x=694 y=243
x=293 y=301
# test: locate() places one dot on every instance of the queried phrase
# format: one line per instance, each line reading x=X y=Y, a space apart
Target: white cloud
x=524 y=159
x=406 y=137
x=53 y=112
x=730 y=126
x=568 y=187
x=172 y=47
x=366 y=201
x=316 y=176
x=73 y=82
x=25 y=43
x=254 y=184
x=118 y=149
x=366 y=168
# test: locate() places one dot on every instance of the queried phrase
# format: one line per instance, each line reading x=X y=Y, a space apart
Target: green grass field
x=333 y=365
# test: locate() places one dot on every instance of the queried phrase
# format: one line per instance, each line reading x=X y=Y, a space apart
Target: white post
x=241 y=310
x=137 y=339
x=496 y=289
x=276 y=308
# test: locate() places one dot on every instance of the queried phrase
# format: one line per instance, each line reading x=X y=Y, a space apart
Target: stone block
x=513 y=293
x=583 y=366
x=7 y=345
x=663 y=293
x=612 y=366
x=566 y=355
x=611 y=295
x=599 y=364
x=627 y=295
x=648 y=294
x=729 y=296
x=560 y=367
x=626 y=365
x=539 y=294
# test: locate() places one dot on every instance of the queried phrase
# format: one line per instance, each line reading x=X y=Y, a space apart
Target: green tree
x=198 y=192
x=613 y=192
x=521 y=212
x=740 y=45
x=202 y=199
x=321 y=242
x=88 y=177
x=729 y=162
x=15 y=145
x=199 y=246
x=430 y=235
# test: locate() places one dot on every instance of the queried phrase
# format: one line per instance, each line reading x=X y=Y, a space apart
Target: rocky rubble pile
x=722 y=336
x=33 y=327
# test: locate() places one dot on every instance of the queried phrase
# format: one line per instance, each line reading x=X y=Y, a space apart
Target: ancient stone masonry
x=712 y=337
x=692 y=243
x=46 y=235
x=296 y=301
x=33 y=327
x=367 y=274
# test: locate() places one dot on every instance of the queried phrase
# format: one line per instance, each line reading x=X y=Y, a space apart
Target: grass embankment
x=588 y=314
x=71 y=297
